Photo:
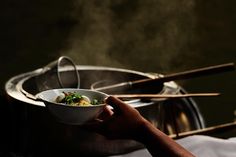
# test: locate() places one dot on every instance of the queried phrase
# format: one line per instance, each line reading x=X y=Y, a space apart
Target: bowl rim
x=39 y=96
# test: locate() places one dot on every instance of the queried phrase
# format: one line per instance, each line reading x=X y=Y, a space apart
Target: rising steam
x=142 y=35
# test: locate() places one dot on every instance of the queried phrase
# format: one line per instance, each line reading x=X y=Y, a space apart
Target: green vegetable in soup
x=76 y=99
x=94 y=102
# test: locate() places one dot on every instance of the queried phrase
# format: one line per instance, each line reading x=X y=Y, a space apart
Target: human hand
x=123 y=121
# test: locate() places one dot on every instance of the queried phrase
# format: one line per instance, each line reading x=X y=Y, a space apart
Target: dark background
x=159 y=36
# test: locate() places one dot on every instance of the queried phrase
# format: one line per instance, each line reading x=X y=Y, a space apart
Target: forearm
x=158 y=143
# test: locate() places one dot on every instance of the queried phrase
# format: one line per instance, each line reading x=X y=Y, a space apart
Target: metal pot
x=35 y=131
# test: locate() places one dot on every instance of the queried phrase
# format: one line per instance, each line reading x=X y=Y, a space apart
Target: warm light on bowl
x=68 y=114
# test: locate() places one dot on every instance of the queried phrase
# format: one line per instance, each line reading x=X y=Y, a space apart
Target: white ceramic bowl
x=74 y=115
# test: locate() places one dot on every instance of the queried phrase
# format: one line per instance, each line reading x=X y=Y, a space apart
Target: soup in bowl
x=73 y=106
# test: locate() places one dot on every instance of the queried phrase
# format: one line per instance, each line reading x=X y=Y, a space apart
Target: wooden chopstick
x=166 y=95
x=171 y=77
x=206 y=131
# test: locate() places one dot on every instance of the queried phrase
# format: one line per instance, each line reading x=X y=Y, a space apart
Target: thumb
x=118 y=105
